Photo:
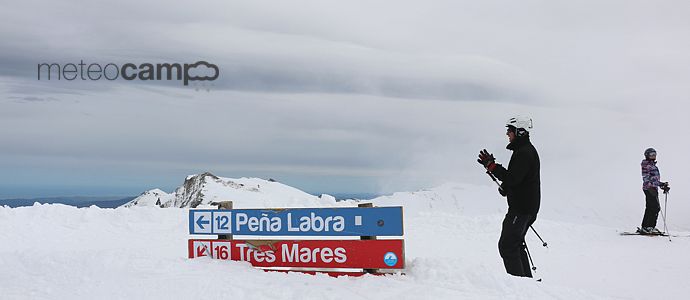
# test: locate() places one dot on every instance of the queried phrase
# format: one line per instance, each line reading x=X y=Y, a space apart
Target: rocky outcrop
x=206 y=188
x=191 y=193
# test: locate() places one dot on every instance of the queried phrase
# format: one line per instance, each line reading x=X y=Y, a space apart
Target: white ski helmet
x=520 y=122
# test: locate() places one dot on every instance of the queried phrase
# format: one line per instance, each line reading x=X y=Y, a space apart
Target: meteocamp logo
x=198 y=71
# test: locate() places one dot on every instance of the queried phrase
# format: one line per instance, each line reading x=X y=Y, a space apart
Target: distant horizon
x=108 y=197
x=117 y=201
x=134 y=185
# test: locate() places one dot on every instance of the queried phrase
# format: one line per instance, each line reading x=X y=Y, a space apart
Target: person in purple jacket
x=650 y=186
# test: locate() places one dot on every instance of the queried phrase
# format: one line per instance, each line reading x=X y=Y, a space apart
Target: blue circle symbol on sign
x=390 y=259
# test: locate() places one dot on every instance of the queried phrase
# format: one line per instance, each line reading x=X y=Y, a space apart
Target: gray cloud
x=32 y=99
x=266 y=57
x=407 y=78
x=338 y=91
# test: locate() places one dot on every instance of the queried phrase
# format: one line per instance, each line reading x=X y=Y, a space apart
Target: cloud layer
x=339 y=96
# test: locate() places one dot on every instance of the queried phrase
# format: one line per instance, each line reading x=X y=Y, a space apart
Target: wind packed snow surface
x=62 y=252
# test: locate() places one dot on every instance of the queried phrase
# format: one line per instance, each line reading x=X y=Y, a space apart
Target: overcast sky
x=341 y=96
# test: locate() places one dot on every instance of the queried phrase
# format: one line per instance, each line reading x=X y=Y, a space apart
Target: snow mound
x=450 y=198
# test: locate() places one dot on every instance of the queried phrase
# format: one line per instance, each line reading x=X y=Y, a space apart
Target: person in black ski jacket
x=521 y=186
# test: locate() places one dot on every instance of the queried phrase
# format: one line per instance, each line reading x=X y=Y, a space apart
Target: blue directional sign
x=349 y=221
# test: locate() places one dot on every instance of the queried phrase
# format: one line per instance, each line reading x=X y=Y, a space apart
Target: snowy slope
x=61 y=252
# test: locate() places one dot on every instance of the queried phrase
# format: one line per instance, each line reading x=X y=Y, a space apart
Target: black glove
x=664 y=186
x=487 y=160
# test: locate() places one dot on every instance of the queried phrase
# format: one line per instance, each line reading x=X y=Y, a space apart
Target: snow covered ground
x=61 y=252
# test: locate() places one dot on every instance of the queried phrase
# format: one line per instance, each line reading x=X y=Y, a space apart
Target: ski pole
x=495 y=180
x=665 y=214
x=529 y=256
x=542 y=240
x=534 y=268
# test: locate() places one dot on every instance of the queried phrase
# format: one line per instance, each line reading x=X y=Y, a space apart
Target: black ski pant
x=651 y=211
x=512 y=245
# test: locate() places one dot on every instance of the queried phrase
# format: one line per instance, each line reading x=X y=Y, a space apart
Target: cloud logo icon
x=206 y=67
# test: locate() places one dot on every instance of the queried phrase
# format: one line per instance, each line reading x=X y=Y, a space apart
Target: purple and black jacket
x=650 y=175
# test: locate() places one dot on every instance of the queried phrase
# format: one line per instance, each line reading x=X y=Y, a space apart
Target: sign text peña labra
x=376 y=221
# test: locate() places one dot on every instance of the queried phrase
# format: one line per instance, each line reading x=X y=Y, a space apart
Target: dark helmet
x=649 y=152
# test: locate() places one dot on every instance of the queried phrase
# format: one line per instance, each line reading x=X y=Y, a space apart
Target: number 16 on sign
x=217 y=250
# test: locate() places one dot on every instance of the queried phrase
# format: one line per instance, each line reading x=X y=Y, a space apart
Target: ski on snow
x=650 y=234
x=645 y=234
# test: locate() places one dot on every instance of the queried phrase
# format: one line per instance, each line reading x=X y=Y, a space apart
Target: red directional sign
x=361 y=254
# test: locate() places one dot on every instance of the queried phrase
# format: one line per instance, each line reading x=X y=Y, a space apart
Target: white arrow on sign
x=202 y=222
